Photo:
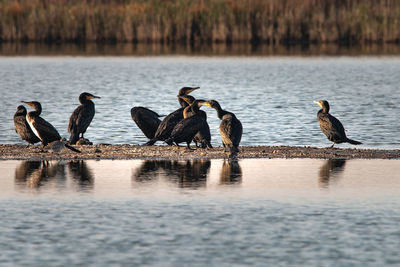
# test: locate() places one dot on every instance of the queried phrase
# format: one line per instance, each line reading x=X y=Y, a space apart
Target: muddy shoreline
x=106 y=151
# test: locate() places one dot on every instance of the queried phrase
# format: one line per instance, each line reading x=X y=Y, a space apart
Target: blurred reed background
x=347 y=22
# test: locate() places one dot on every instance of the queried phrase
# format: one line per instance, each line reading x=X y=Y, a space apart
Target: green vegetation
x=201 y=21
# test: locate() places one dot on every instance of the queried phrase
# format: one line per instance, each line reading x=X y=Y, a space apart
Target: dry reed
x=201 y=21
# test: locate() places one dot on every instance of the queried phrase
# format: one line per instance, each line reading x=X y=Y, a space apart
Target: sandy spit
x=106 y=151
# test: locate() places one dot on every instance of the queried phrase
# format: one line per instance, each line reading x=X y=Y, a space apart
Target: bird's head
x=87 y=96
x=187 y=90
x=212 y=104
x=36 y=105
x=21 y=108
x=323 y=104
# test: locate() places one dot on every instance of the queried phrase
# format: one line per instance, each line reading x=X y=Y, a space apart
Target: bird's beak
x=28 y=103
x=192 y=89
x=204 y=103
x=318 y=102
x=207 y=104
x=93 y=96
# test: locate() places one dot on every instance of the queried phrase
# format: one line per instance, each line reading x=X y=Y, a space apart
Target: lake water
x=272 y=96
x=205 y=212
x=274 y=212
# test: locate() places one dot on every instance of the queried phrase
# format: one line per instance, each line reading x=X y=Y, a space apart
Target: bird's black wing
x=167 y=125
x=24 y=130
x=81 y=119
x=73 y=119
x=230 y=129
x=236 y=131
x=187 y=128
x=331 y=127
x=144 y=111
x=146 y=119
x=46 y=130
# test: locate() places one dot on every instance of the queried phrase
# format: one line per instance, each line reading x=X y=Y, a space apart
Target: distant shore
x=105 y=151
x=222 y=49
x=196 y=22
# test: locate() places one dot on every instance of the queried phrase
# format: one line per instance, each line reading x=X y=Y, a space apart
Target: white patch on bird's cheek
x=30 y=122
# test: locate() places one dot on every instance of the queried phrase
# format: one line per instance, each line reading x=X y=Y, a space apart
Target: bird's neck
x=221 y=112
x=35 y=113
x=324 y=110
x=186 y=112
x=183 y=103
x=86 y=101
x=21 y=113
x=195 y=108
x=30 y=116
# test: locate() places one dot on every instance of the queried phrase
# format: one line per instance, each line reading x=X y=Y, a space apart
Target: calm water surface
x=272 y=96
x=171 y=213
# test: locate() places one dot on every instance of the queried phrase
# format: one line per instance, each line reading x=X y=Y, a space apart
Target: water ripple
x=271 y=96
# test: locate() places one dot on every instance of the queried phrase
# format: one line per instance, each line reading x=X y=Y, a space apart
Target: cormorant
x=81 y=117
x=332 y=127
x=146 y=119
x=187 y=128
x=230 y=128
x=167 y=125
x=203 y=137
x=41 y=128
x=22 y=127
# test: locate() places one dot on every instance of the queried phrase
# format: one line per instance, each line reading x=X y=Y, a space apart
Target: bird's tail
x=353 y=142
x=151 y=142
x=72 y=148
x=73 y=138
x=169 y=141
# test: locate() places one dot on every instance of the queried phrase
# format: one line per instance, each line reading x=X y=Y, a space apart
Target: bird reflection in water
x=81 y=174
x=149 y=170
x=330 y=171
x=34 y=174
x=231 y=173
x=193 y=174
x=186 y=174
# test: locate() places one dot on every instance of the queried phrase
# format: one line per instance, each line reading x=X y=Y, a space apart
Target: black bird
x=332 y=127
x=22 y=127
x=230 y=128
x=187 y=128
x=43 y=129
x=146 y=119
x=81 y=117
x=167 y=125
x=40 y=127
x=203 y=137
